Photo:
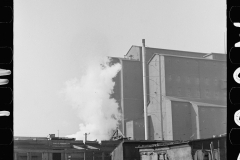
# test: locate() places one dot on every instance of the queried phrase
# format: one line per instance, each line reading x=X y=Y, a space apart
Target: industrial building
x=57 y=148
x=186 y=101
x=186 y=94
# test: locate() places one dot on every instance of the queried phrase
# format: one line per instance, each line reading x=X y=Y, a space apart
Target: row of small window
x=206 y=64
x=193 y=80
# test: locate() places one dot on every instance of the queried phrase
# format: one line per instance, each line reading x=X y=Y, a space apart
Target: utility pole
x=86 y=136
x=58 y=133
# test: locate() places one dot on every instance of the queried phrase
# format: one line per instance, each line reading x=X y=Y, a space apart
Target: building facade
x=61 y=149
x=187 y=97
x=186 y=94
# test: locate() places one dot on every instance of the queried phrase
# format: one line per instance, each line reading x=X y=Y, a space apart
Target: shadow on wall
x=151 y=128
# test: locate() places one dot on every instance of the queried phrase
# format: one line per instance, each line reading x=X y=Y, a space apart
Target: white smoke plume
x=90 y=95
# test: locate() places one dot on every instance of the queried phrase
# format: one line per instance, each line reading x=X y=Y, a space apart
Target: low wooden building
x=38 y=148
x=127 y=150
x=205 y=149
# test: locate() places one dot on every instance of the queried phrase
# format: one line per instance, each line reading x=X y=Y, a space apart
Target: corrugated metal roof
x=29 y=138
x=78 y=147
x=177 y=142
x=91 y=147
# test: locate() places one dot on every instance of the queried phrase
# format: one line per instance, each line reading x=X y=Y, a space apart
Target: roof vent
x=51 y=135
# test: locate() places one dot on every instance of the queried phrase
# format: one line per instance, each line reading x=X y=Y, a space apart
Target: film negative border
x=233 y=78
x=6 y=80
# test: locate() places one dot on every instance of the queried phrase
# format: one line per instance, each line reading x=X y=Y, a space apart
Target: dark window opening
x=56 y=156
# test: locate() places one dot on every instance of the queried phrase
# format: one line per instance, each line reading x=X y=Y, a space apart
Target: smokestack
x=86 y=134
x=144 y=89
x=51 y=135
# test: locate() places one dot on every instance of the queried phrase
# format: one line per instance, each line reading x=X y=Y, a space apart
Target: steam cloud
x=90 y=95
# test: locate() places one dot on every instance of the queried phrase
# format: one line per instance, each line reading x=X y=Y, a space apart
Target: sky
x=56 y=42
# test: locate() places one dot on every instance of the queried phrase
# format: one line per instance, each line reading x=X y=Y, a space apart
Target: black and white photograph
x=120 y=80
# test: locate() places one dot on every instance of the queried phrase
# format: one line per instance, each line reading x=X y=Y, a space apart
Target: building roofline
x=125 y=59
x=175 y=143
x=145 y=141
x=141 y=141
x=221 y=136
x=29 y=138
x=26 y=137
x=168 y=49
x=207 y=55
x=214 y=54
x=197 y=58
x=130 y=49
x=171 y=143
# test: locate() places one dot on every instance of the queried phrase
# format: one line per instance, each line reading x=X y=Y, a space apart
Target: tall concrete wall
x=154 y=107
x=190 y=80
x=212 y=121
x=181 y=120
x=128 y=92
x=132 y=90
x=196 y=79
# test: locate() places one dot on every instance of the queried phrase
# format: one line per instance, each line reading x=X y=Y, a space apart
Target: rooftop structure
x=61 y=148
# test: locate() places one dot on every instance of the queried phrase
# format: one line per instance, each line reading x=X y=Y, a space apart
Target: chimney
x=51 y=135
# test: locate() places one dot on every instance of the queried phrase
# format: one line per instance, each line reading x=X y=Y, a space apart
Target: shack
x=205 y=149
x=127 y=149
